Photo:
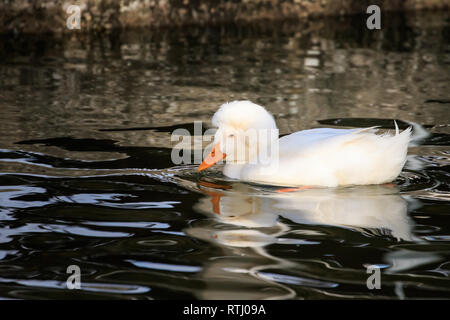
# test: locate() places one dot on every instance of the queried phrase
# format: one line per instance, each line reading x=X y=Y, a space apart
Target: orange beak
x=214 y=156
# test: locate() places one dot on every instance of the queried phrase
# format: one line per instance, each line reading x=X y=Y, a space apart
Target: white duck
x=247 y=137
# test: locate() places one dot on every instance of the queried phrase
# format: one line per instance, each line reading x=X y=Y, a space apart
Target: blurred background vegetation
x=100 y=15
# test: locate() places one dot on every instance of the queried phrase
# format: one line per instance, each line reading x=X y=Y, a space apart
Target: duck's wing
x=302 y=141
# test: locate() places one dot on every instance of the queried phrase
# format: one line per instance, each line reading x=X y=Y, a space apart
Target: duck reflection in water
x=377 y=209
x=258 y=216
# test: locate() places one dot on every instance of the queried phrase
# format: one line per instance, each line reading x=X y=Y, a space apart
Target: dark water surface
x=86 y=176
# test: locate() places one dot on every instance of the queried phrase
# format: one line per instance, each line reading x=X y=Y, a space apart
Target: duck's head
x=244 y=130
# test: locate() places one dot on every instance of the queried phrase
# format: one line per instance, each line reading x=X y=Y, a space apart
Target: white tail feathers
x=419 y=133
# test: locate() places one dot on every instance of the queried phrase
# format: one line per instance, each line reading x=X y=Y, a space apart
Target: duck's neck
x=232 y=170
x=261 y=152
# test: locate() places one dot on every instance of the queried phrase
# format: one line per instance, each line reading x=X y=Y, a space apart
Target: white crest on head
x=243 y=115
